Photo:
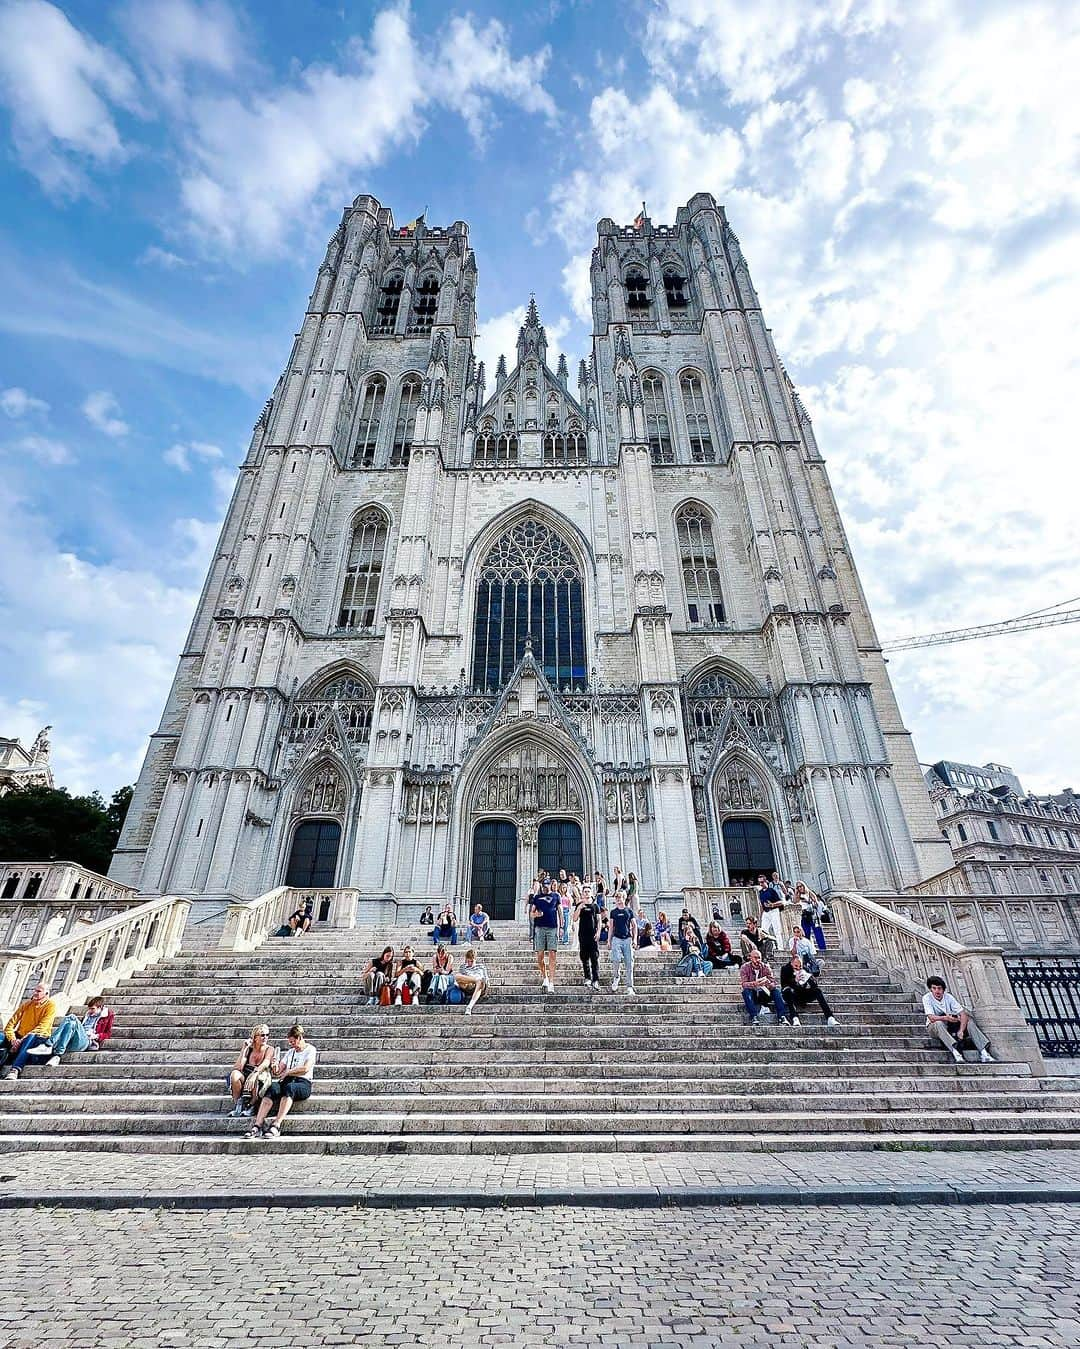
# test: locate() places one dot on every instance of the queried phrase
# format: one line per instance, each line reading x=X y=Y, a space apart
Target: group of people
x=35 y=1032
x=265 y=1081
x=445 y=927
x=404 y=980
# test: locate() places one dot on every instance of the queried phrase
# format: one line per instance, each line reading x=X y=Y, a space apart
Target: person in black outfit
x=302 y=916
x=587 y=917
x=688 y=928
x=799 y=989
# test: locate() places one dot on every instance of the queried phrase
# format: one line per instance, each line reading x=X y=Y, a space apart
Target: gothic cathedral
x=457 y=630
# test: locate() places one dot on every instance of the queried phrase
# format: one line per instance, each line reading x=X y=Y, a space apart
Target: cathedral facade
x=458 y=628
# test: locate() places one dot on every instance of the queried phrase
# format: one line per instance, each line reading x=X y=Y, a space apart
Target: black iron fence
x=1047 y=991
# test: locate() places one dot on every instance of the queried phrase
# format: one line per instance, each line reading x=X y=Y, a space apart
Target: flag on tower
x=639 y=219
x=411 y=227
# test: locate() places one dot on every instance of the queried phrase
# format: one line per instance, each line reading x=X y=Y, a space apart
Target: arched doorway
x=313 y=855
x=494 y=868
x=558 y=846
x=748 y=849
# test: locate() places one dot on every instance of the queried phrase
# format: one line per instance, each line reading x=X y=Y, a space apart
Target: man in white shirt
x=946 y=1019
x=472 y=980
x=293 y=1074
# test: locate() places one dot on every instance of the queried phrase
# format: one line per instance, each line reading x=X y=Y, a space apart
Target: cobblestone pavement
x=1038 y=1173
x=832 y=1278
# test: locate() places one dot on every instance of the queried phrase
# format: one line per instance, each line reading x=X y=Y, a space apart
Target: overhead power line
x=1052 y=616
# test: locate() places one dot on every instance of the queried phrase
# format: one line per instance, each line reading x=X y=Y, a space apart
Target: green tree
x=42 y=824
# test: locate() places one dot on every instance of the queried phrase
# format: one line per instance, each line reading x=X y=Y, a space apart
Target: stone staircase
x=675 y=1069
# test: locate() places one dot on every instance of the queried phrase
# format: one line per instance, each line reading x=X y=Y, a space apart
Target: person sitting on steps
x=72 y=1035
x=752 y=938
x=303 y=916
x=479 y=924
x=800 y=989
x=951 y=1023
x=445 y=927
x=437 y=980
x=472 y=980
x=410 y=974
x=251 y=1071
x=759 y=990
x=717 y=949
x=689 y=928
x=379 y=972
x=803 y=947
x=28 y=1026
x=427 y=918
x=293 y=1073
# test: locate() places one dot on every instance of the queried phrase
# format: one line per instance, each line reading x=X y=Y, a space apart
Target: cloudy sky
x=902 y=175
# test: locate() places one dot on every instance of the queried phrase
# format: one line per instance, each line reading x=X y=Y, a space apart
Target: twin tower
x=459 y=627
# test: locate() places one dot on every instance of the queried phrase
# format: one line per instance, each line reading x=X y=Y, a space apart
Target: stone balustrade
x=81 y=964
x=735 y=902
x=908 y=951
x=249 y=923
x=65 y=881
x=1019 y=924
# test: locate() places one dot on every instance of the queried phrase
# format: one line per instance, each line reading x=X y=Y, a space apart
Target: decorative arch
x=530 y=595
x=741 y=786
x=389 y=301
x=636 y=281
x=425 y=304
x=372 y=404
x=739 y=677
x=692 y=386
x=364 y=565
x=408 y=405
x=657 y=417
x=700 y=565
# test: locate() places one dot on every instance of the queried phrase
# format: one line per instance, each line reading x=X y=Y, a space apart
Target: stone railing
x=29 y=922
x=78 y=966
x=61 y=881
x=911 y=953
x=1019 y=924
x=249 y=923
x=736 y=903
x=950 y=882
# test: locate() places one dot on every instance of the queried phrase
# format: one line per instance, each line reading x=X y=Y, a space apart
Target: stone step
x=672 y=1124
x=496 y=1102
x=457 y=1149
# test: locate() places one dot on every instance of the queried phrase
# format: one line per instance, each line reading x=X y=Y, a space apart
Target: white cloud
x=17 y=403
x=102 y=411
x=153 y=256
x=43 y=449
x=172 y=37
x=62 y=89
x=309 y=137
x=182 y=456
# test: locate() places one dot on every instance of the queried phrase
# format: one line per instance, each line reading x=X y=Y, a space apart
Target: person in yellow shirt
x=31 y=1025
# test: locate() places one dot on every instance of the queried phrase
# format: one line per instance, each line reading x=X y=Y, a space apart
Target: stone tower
x=454 y=632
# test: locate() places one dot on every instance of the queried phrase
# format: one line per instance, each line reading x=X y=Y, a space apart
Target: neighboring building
x=21 y=767
x=453 y=633
x=1004 y=841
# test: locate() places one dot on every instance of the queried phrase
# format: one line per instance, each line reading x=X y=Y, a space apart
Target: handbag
x=384 y=996
x=258 y=1082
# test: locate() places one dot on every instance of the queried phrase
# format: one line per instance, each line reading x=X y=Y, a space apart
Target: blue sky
x=902 y=176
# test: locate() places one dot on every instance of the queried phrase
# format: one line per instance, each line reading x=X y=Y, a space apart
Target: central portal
x=558 y=847
x=494 y=868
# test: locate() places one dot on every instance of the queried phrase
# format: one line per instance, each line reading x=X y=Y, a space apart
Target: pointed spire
x=563 y=371
x=500 y=374
x=532 y=340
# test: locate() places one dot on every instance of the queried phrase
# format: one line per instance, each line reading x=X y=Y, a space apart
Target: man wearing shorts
x=293 y=1075
x=545 y=915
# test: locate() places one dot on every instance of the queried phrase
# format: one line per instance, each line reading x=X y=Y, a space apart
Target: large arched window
x=637 y=291
x=697 y=419
x=363 y=572
x=701 y=573
x=389 y=300
x=367 y=431
x=675 y=288
x=425 y=304
x=657 y=424
x=405 y=424
x=530 y=590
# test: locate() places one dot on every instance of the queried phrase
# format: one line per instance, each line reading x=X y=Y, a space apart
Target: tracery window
x=637 y=291
x=675 y=289
x=363 y=572
x=701 y=572
x=367 y=431
x=496 y=451
x=405 y=424
x=571 y=448
x=657 y=424
x=389 y=301
x=530 y=588
x=424 y=305
x=697 y=419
